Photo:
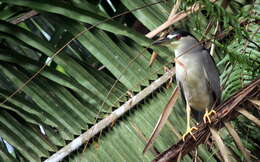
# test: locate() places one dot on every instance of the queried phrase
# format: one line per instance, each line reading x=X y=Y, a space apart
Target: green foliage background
x=66 y=97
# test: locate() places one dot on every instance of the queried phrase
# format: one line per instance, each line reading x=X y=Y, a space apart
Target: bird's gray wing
x=212 y=75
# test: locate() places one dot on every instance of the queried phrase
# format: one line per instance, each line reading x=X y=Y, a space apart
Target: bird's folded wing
x=212 y=73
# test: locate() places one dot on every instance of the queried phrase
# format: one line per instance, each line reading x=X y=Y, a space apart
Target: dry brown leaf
x=256 y=102
x=153 y=58
x=237 y=140
x=249 y=116
x=163 y=118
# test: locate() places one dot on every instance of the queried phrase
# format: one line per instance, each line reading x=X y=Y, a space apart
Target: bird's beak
x=161 y=41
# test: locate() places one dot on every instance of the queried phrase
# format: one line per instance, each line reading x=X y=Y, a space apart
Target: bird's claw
x=189 y=131
x=207 y=115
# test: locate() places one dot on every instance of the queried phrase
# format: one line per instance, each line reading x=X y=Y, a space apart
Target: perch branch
x=225 y=112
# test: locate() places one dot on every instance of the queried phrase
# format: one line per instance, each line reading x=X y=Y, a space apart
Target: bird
x=197 y=77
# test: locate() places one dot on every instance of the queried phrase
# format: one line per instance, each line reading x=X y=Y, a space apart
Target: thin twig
x=142 y=136
x=177 y=17
x=212 y=49
x=24 y=17
x=163 y=34
x=174 y=9
x=173 y=129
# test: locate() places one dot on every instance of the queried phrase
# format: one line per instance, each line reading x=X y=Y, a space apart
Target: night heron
x=196 y=74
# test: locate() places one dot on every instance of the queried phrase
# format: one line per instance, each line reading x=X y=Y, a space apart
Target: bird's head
x=177 y=39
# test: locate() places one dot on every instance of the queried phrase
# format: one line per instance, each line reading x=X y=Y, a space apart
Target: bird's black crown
x=183 y=33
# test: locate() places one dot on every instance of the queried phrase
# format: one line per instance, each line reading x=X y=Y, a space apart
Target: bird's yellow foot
x=207 y=115
x=189 y=131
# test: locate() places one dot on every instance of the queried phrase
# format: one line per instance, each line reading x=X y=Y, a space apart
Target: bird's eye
x=177 y=37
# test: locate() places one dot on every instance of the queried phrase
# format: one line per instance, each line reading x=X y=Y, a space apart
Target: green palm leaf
x=73 y=92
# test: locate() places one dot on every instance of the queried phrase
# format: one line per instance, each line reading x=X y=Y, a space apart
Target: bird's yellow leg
x=207 y=115
x=189 y=129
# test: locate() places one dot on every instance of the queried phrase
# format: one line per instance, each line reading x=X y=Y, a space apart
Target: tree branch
x=225 y=112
